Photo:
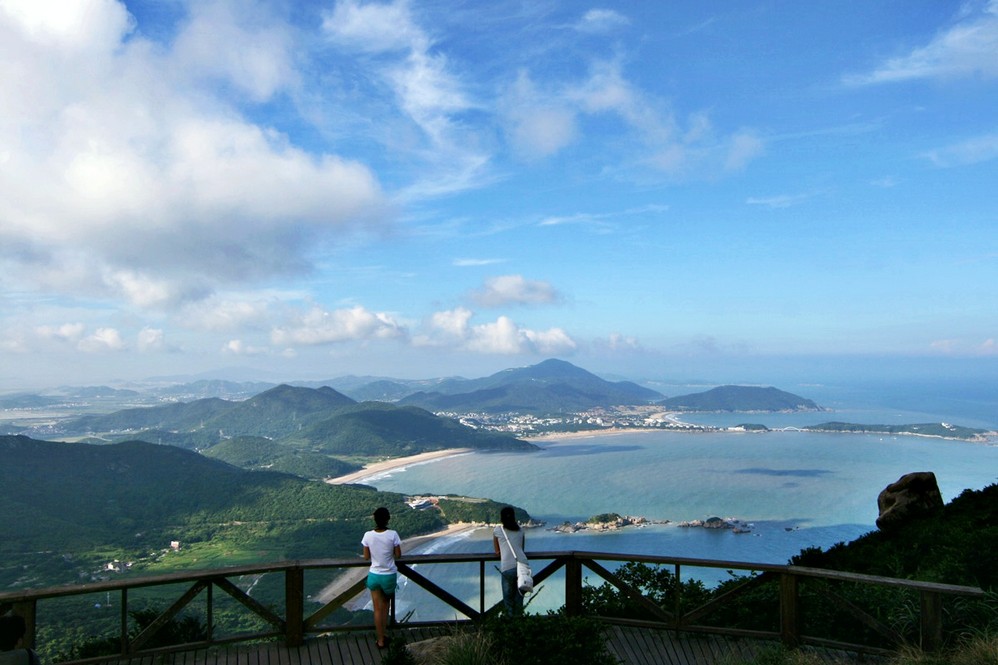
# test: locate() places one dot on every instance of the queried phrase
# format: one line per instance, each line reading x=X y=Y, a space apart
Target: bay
x=792 y=489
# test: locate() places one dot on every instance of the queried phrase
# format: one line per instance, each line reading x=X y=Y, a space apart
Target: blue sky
x=413 y=189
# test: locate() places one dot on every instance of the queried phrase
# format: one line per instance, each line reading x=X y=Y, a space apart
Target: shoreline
x=351 y=576
x=396 y=463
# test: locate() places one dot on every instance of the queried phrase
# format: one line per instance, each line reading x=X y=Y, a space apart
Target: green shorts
x=386 y=583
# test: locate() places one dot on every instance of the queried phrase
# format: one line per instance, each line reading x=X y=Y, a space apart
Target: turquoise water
x=796 y=489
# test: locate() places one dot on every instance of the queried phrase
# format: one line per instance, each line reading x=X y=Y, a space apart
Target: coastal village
x=597 y=419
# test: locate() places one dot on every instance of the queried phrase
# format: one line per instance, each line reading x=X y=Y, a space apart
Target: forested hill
x=552 y=386
x=78 y=500
x=740 y=398
x=954 y=545
x=295 y=419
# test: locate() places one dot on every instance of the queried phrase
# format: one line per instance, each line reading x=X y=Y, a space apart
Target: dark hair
x=508 y=518
x=12 y=628
x=381 y=517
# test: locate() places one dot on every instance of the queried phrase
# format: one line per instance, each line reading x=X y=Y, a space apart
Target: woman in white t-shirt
x=381 y=547
x=508 y=541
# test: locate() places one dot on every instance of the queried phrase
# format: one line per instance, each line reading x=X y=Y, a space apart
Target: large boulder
x=912 y=495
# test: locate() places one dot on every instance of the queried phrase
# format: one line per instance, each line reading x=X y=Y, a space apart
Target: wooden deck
x=632 y=646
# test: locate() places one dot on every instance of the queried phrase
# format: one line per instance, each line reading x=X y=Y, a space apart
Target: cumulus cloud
x=965 y=49
x=238 y=347
x=515 y=289
x=620 y=342
x=222 y=42
x=67 y=332
x=503 y=336
x=102 y=340
x=125 y=161
x=227 y=314
x=150 y=339
x=320 y=326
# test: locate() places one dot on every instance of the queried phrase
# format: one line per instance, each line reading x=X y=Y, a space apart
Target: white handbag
x=524 y=576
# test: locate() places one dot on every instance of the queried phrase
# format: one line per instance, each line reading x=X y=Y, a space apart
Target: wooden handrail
x=294 y=624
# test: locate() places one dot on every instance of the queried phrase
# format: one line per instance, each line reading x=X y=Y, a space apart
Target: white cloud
x=402 y=55
x=453 y=324
x=537 y=125
x=250 y=51
x=319 y=326
x=72 y=25
x=226 y=314
x=150 y=339
x=237 y=347
x=972 y=151
x=503 y=336
x=620 y=342
x=742 y=149
x=963 y=347
x=778 y=201
x=67 y=332
x=601 y=20
x=102 y=340
x=965 y=49
x=515 y=289
x=474 y=263
x=375 y=27
x=121 y=169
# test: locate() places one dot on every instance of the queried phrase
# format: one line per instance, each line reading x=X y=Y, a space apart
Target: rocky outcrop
x=912 y=495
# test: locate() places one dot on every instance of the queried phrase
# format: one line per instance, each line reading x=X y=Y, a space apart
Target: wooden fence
x=293 y=623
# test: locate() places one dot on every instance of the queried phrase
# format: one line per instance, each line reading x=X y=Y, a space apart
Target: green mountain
x=376 y=429
x=71 y=506
x=294 y=429
x=259 y=453
x=952 y=545
x=740 y=398
x=553 y=386
x=69 y=495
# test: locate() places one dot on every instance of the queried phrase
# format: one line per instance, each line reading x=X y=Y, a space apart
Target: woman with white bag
x=508 y=541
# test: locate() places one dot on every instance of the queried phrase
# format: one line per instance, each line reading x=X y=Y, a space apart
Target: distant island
x=935 y=430
x=740 y=398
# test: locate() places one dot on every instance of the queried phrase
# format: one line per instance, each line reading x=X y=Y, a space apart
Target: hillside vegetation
x=552 y=386
x=740 y=398
x=311 y=432
x=78 y=505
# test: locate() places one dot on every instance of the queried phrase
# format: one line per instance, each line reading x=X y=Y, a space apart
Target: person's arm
x=397 y=551
x=367 y=552
x=495 y=545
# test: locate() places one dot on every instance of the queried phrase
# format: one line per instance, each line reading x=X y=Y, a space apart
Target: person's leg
x=380 y=601
x=510 y=594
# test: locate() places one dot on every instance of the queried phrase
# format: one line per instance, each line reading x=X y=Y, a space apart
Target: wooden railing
x=294 y=623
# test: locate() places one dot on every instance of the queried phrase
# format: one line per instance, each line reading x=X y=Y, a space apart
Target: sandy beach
x=395 y=463
x=353 y=575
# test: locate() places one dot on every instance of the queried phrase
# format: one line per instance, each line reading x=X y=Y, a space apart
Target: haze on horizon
x=303 y=190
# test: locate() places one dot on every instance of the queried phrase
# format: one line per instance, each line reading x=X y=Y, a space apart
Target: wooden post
x=931 y=621
x=573 y=587
x=124 y=621
x=481 y=587
x=789 y=610
x=294 y=601
x=677 y=601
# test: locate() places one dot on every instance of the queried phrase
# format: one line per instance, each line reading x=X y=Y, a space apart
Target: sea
x=788 y=490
